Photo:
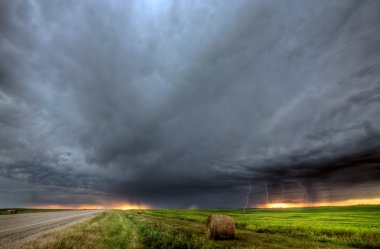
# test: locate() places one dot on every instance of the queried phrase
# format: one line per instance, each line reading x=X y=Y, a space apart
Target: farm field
x=323 y=227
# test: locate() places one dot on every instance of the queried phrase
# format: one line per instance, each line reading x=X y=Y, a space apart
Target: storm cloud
x=180 y=103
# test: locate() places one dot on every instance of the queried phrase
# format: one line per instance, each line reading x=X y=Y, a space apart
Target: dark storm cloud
x=181 y=103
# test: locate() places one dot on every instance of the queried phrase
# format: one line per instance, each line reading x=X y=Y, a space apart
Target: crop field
x=323 y=227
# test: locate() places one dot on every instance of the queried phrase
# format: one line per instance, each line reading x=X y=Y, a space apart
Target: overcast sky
x=184 y=103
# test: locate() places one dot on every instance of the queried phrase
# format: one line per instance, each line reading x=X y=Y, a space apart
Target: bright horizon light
x=129 y=206
x=122 y=206
x=352 y=202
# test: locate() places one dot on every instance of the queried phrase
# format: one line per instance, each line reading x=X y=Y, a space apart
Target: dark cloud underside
x=185 y=102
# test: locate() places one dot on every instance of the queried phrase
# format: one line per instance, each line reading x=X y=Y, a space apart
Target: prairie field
x=322 y=227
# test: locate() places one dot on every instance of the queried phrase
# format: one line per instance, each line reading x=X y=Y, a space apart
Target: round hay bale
x=220 y=227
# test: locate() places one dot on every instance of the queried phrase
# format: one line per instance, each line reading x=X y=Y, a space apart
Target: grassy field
x=5 y=211
x=325 y=227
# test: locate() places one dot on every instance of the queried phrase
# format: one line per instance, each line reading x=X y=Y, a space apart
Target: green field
x=324 y=227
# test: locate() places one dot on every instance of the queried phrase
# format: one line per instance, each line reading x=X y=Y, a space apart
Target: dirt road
x=15 y=228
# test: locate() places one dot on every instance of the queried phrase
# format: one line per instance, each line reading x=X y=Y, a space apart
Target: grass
x=326 y=227
x=106 y=230
x=4 y=211
x=357 y=226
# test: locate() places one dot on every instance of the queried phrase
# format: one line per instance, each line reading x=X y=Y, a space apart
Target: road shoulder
x=41 y=236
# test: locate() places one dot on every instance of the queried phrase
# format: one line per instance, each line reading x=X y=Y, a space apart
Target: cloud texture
x=185 y=102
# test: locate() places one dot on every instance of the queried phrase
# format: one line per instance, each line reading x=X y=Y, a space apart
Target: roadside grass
x=257 y=229
x=5 y=211
x=105 y=230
